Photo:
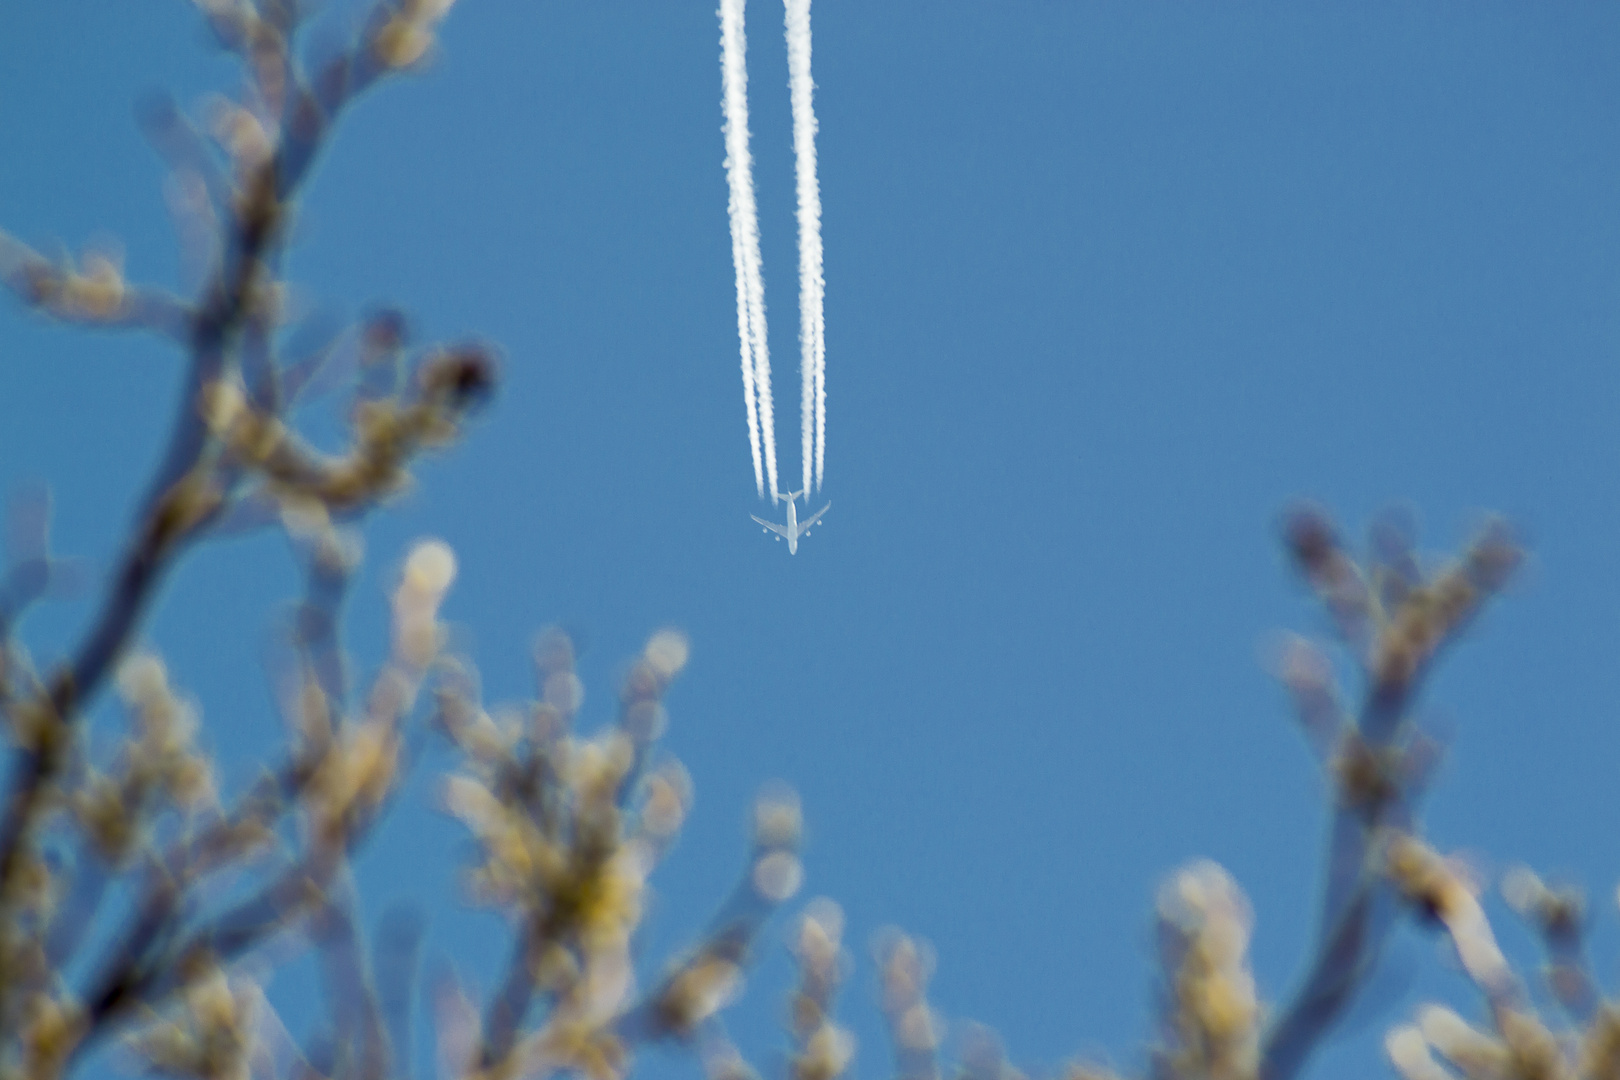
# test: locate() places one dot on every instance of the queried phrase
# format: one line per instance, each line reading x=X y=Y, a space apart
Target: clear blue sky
x=1108 y=285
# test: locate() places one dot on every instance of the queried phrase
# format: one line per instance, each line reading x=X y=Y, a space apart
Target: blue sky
x=1108 y=285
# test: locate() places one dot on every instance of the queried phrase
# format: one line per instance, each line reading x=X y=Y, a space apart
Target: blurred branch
x=1212 y=1025
x=569 y=828
x=95 y=294
x=1378 y=766
x=915 y=1030
x=822 y=1049
x=268 y=144
x=341 y=785
x=1210 y=1016
x=1558 y=915
x=360 y=1037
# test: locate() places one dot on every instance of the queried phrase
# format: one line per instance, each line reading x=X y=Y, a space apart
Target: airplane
x=793 y=530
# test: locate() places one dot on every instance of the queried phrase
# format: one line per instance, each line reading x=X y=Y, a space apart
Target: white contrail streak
x=747 y=354
x=756 y=356
x=812 y=283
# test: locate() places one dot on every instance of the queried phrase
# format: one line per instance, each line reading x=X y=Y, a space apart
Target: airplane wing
x=804 y=526
x=773 y=526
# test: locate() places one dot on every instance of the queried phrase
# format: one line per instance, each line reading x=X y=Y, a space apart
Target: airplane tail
x=789 y=495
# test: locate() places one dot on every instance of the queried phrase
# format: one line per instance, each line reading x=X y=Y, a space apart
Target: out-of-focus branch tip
x=1211 y=1018
x=406 y=36
x=823 y=1048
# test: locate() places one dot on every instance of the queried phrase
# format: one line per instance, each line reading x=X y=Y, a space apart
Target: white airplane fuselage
x=792 y=528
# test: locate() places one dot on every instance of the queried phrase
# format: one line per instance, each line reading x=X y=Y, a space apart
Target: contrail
x=812 y=283
x=747 y=352
x=756 y=356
